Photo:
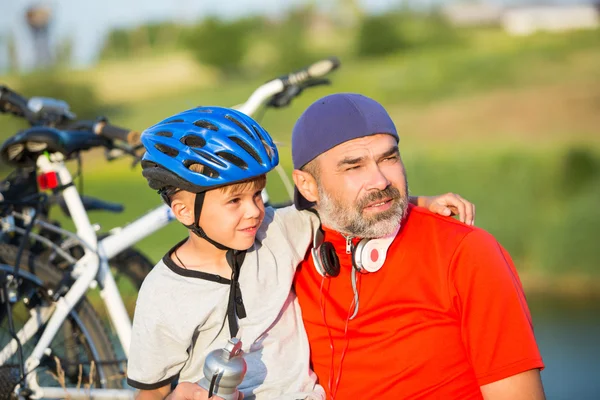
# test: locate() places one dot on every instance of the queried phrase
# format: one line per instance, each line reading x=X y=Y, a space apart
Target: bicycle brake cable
x=79 y=174
x=21 y=249
x=11 y=288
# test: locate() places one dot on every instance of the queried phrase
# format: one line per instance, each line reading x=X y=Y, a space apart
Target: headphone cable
x=355 y=285
x=355 y=291
x=331 y=346
x=354 y=303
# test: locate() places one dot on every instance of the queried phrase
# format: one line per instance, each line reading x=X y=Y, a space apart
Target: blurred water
x=568 y=334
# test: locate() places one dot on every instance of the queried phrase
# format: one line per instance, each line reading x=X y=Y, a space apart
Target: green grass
x=484 y=61
x=541 y=205
x=535 y=181
x=413 y=81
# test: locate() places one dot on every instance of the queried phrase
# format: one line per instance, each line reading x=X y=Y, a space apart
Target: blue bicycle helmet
x=229 y=146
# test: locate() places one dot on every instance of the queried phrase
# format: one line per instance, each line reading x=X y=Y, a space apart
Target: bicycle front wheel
x=80 y=355
x=129 y=268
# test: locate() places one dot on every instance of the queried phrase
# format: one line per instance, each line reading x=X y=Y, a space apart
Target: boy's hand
x=449 y=204
x=189 y=391
x=192 y=391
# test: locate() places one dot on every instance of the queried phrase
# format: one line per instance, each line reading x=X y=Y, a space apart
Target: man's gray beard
x=349 y=220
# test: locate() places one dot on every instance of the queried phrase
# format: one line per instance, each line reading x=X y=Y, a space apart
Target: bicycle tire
x=88 y=331
x=132 y=265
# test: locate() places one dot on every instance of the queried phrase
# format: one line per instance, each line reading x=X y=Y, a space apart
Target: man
x=444 y=317
x=274 y=243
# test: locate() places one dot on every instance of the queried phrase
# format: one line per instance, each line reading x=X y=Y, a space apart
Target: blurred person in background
x=445 y=315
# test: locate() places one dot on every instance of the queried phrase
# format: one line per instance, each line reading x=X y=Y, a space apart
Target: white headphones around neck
x=368 y=255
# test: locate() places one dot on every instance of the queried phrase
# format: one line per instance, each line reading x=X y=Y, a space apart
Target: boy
x=209 y=165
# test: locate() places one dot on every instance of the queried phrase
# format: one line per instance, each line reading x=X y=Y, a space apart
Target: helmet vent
x=201 y=169
x=171 y=152
x=148 y=164
x=232 y=158
x=268 y=148
x=164 y=134
x=173 y=121
x=206 y=125
x=247 y=148
x=209 y=157
x=242 y=126
x=193 y=141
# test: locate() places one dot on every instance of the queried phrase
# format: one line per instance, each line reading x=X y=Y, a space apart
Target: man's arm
x=524 y=386
x=183 y=391
x=447 y=204
x=496 y=325
x=192 y=391
x=156 y=394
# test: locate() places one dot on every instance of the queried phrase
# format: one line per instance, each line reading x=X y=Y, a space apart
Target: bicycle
x=131 y=264
x=60 y=332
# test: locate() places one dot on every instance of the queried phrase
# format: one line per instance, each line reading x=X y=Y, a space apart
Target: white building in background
x=473 y=14
x=528 y=20
x=524 y=20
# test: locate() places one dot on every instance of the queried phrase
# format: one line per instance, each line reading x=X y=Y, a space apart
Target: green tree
x=118 y=44
x=378 y=36
x=64 y=52
x=290 y=40
x=219 y=43
x=81 y=97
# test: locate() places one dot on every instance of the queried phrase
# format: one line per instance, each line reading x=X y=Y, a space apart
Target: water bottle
x=224 y=370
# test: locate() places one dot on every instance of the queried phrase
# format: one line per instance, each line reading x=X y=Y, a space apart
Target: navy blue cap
x=331 y=121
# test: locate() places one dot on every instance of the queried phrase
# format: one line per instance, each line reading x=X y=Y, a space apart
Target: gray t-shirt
x=181 y=315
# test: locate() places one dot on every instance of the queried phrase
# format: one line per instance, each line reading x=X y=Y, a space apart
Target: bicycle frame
x=93 y=267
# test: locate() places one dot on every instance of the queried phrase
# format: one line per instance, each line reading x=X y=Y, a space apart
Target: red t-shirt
x=445 y=315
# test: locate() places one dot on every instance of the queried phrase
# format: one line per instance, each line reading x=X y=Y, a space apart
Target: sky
x=87 y=22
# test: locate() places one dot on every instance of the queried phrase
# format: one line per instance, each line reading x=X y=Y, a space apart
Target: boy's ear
x=306 y=184
x=182 y=206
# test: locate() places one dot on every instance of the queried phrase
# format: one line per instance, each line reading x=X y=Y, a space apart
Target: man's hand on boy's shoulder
x=448 y=204
x=192 y=391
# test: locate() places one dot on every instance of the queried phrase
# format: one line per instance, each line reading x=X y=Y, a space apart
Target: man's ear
x=306 y=184
x=182 y=206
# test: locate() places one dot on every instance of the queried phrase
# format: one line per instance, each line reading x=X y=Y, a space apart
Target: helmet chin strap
x=235 y=259
x=198 y=202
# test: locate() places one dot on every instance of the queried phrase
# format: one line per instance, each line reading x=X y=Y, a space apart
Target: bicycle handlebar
x=316 y=70
x=278 y=85
x=52 y=112
x=105 y=129
x=13 y=103
x=110 y=131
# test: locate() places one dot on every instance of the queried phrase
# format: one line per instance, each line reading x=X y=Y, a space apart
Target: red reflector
x=48 y=180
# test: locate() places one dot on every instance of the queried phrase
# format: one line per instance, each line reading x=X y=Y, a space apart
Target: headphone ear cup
x=329 y=259
x=357 y=255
